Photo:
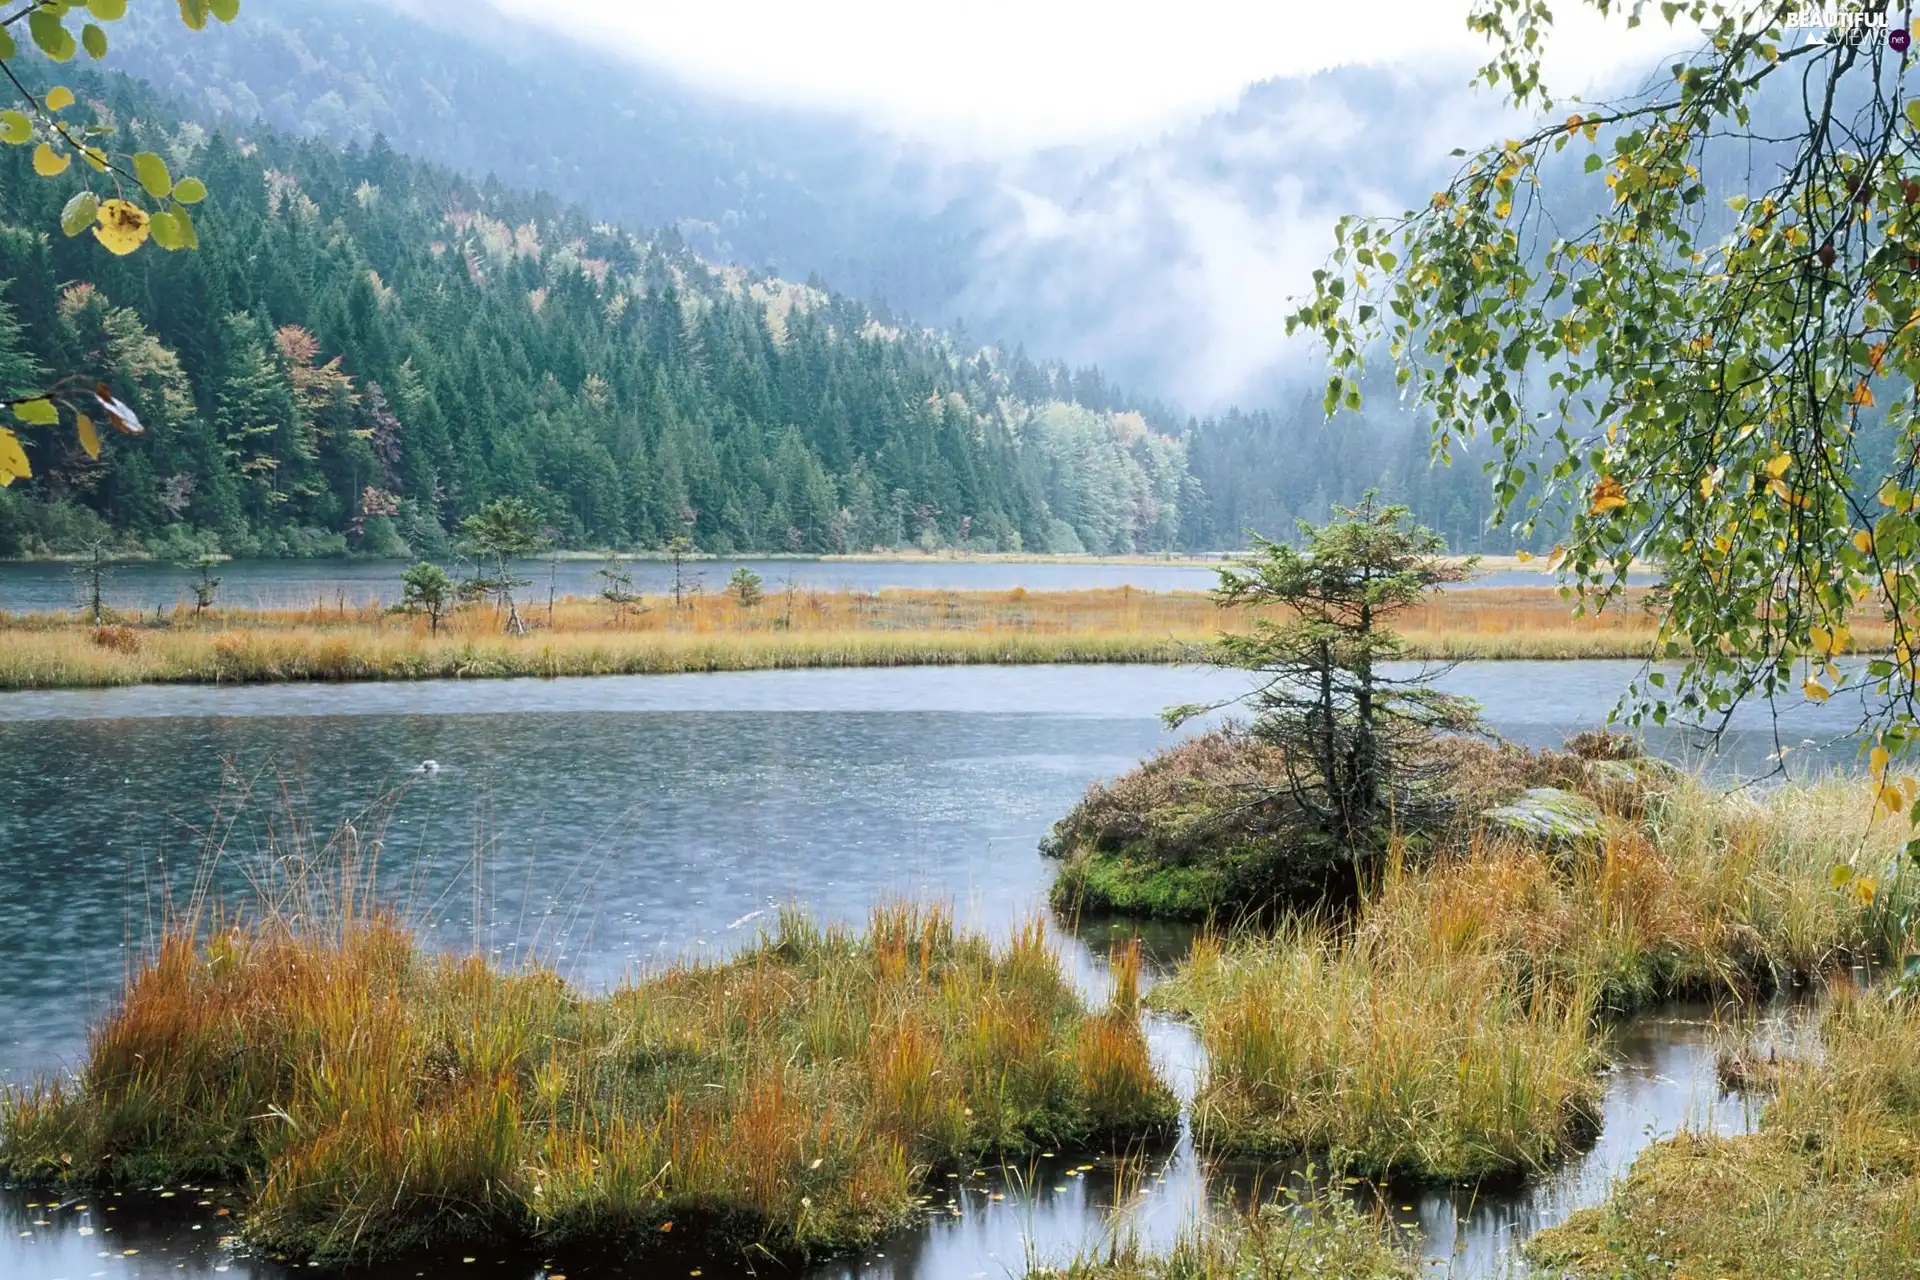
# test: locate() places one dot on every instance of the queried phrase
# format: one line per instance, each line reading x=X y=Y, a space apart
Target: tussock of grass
x=1701 y=893
x=379 y=1097
x=714 y=632
x=1828 y=1189
x=1452 y=1026
x=1322 y=1238
x=1209 y=828
x=1436 y=1070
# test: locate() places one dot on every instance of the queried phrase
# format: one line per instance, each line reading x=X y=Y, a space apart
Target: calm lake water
x=609 y=824
x=269 y=584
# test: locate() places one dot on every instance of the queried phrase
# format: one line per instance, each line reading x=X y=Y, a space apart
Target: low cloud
x=1173 y=265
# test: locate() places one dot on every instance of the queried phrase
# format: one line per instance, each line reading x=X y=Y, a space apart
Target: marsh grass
x=1453 y=1025
x=379 y=1098
x=714 y=632
x=1375 y=1060
x=1693 y=892
x=1827 y=1189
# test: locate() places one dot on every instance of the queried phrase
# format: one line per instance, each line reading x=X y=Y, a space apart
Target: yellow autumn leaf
x=1778 y=464
x=58 y=98
x=1863 y=887
x=1608 y=495
x=49 y=163
x=1862 y=396
x=1821 y=639
x=1815 y=691
x=1840 y=875
x=123 y=226
x=13 y=459
x=89 y=438
x=1877 y=761
x=1863 y=543
x=1523 y=556
x=1876 y=354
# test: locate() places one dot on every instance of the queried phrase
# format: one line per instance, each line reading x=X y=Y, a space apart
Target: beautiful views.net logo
x=1849 y=23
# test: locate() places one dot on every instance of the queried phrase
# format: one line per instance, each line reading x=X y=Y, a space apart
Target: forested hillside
x=1167 y=258
x=365 y=348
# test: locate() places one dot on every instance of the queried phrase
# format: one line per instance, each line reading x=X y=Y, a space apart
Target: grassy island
x=715 y=632
x=1447 y=1019
x=380 y=1099
x=1828 y=1188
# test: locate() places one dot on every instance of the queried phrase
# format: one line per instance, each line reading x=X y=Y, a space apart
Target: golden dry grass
x=714 y=633
x=1827 y=1189
x=378 y=1097
x=1452 y=1027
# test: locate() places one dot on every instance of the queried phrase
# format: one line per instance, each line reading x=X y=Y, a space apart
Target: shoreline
x=1168 y=559
x=715 y=632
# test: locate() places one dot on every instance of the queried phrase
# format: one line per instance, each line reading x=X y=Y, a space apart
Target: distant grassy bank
x=714 y=632
x=378 y=1099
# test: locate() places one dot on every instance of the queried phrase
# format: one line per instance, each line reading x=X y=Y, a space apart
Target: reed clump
x=1690 y=891
x=1827 y=1189
x=380 y=1098
x=1358 y=1052
x=716 y=632
x=1450 y=1026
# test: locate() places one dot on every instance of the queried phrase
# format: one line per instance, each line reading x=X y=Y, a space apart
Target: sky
x=1014 y=74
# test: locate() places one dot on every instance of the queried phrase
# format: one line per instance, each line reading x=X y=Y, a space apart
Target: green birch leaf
x=79 y=213
x=38 y=413
x=164 y=227
x=153 y=175
x=52 y=35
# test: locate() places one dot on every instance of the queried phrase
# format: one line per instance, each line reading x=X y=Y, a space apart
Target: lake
x=610 y=824
x=272 y=584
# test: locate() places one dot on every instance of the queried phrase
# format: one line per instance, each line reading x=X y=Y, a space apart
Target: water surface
x=611 y=824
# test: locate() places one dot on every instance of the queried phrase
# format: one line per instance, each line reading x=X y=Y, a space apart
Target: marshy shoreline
x=380 y=1101
x=374 y=1097
x=715 y=632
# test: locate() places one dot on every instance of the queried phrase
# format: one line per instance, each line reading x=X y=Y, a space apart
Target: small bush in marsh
x=117 y=638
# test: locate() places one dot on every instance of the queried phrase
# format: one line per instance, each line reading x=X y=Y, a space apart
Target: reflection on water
x=610 y=824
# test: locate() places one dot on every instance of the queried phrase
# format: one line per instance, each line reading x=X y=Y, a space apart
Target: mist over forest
x=1101 y=325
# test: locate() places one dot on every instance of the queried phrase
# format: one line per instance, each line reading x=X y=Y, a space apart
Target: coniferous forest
x=364 y=349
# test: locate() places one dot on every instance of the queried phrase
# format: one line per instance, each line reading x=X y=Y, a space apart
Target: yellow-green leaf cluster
x=62 y=29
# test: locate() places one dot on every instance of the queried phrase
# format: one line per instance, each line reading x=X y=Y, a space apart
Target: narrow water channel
x=607 y=825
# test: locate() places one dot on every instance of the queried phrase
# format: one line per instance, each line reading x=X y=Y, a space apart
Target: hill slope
x=366 y=348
